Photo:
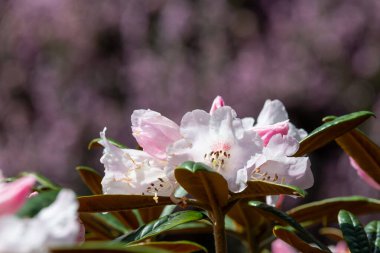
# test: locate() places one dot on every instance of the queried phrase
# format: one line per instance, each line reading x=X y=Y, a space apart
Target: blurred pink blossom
x=14 y=194
x=361 y=173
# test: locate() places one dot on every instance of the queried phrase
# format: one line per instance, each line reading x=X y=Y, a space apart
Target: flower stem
x=219 y=231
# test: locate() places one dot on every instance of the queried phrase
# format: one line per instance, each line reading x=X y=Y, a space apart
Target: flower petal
x=60 y=219
x=361 y=173
x=218 y=102
x=14 y=194
x=266 y=132
x=133 y=172
x=154 y=132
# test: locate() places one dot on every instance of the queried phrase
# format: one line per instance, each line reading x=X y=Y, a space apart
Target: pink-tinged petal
x=14 y=194
x=218 y=102
x=82 y=232
x=361 y=173
x=154 y=132
x=279 y=246
x=266 y=132
x=341 y=247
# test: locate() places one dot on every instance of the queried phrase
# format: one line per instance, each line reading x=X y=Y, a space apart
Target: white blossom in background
x=55 y=225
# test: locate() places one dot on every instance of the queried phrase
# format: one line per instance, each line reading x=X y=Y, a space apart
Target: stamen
x=155 y=198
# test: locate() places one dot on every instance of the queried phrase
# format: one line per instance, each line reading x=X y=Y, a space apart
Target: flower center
x=219 y=155
x=266 y=176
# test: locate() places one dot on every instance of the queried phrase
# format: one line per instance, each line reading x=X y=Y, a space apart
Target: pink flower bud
x=361 y=173
x=14 y=194
x=266 y=132
x=218 y=102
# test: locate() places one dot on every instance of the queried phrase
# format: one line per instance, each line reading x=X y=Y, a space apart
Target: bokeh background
x=70 y=68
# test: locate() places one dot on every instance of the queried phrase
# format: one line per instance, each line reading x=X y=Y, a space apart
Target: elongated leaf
x=43 y=181
x=202 y=182
x=100 y=226
x=332 y=233
x=353 y=232
x=109 y=203
x=177 y=246
x=149 y=247
x=258 y=188
x=128 y=218
x=364 y=151
x=95 y=143
x=162 y=224
x=373 y=233
x=91 y=178
x=331 y=130
x=284 y=219
x=252 y=223
x=150 y=213
x=34 y=205
x=292 y=239
x=327 y=210
x=100 y=247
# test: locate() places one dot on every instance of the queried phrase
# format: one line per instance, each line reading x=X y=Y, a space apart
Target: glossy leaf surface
x=353 y=232
x=202 y=183
x=331 y=130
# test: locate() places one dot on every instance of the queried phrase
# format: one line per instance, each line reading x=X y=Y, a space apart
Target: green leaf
x=292 y=239
x=364 y=151
x=284 y=219
x=101 y=225
x=114 y=202
x=150 y=213
x=259 y=188
x=202 y=183
x=353 y=232
x=149 y=247
x=91 y=178
x=177 y=246
x=373 y=233
x=43 y=181
x=331 y=130
x=34 y=205
x=95 y=143
x=162 y=224
x=327 y=210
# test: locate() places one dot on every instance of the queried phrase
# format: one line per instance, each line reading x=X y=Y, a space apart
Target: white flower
x=281 y=139
x=133 y=172
x=274 y=112
x=221 y=141
x=56 y=225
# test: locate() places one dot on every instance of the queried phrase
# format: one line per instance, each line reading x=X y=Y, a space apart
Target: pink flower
x=14 y=194
x=154 y=132
x=361 y=173
x=218 y=102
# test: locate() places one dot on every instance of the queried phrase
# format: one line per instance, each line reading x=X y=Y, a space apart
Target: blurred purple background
x=69 y=68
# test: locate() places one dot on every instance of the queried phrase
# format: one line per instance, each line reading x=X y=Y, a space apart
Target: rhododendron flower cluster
x=236 y=148
x=55 y=225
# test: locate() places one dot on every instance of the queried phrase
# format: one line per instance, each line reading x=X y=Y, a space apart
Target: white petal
x=273 y=112
x=61 y=220
x=22 y=235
